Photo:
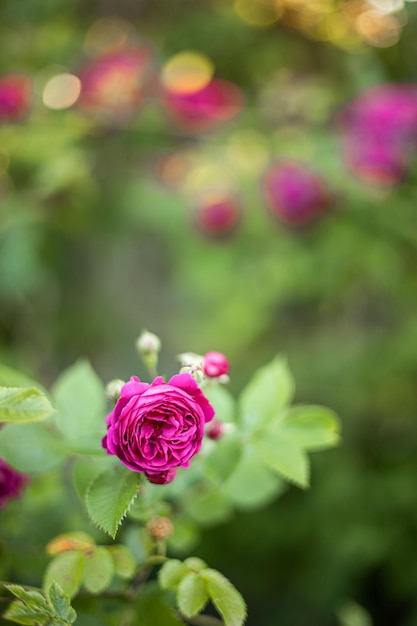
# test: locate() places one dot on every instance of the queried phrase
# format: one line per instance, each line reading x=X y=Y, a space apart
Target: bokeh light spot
x=61 y=91
x=107 y=33
x=378 y=29
x=259 y=13
x=187 y=72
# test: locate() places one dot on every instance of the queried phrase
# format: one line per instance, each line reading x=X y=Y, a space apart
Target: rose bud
x=148 y=346
x=113 y=389
x=215 y=364
x=215 y=430
x=160 y=527
x=217 y=217
x=156 y=428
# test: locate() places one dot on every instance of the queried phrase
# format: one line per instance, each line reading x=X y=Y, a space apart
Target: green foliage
x=124 y=563
x=30 y=447
x=37 y=609
x=151 y=609
x=99 y=570
x=19 y=405
x=109 y=497
x=195 y=584
x=80 y=400
x=67 y=570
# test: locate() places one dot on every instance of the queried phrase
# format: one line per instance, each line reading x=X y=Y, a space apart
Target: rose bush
x=156 y=428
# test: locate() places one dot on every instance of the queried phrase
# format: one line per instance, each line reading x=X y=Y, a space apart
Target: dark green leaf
x=152 y=610
x=192 y=595
x=22 y=405
x=109 y=497
x=225 y=597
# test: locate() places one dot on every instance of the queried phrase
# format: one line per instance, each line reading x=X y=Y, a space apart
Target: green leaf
x=152 y=610
x=61 y=603
x=252 y=484
x=98 y=571
x=195 y=564
x=225 y=597
x=285 y=456
x=124 y=561
x=192 y=595
x=222 y=401
x=22 y=405
x=207 y=505
x=269 y=391
x=22 y=613
x=109 y=497
x=85 y=469
x=353 y=614
x=66 y=569
x=10 y=377
x=28 y=596
x=222 y=459
x=30 y=447
x=171 y=573
x=312 y=427
x=80 y=401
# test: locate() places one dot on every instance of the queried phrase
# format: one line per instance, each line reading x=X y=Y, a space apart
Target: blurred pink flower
x=217 y=218
x=15 y=96
x=12 y=483
x=215 y=364
x=113 y=84
x=294 y=194
x=205 y=109
x=378 y=130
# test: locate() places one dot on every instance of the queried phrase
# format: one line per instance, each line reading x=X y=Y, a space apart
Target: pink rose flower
x=159 y=427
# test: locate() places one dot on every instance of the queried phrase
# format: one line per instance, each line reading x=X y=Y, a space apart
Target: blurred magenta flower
x=197 y=111
x=217 y=217
x=15 y=96
x=378 y=129
x=159 y=427
x=12 y=483
x=294 y=194
x=113 y=84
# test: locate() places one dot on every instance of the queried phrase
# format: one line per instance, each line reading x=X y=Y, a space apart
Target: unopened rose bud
x=113 y=389
x=215 y=429
x=194 y=371
x=160 y=527
x=148 y=346
x=215 y=364
x=161 y=478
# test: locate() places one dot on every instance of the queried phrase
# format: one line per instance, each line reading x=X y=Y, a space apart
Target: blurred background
x=236 y=176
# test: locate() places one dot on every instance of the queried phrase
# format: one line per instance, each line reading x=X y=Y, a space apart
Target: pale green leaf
x=10 y=377
x=124 y=561
x=22 y=613
x=225 y=597
x=195 y=564
x=252 y=484
x=171 y=573
x=269 y=391
x=98 y=571
x=312 y=427
x=30 y=447
x=66 y=569
x=222 y=401
x=22 y=405
x=28 y=595
x=61 y=603
x=353 y=614
x=85 y=469
x=80 y=401
x=283 y=455
x=207 y=505
x=222 y=459
x=192 y=595
x=109 y=497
